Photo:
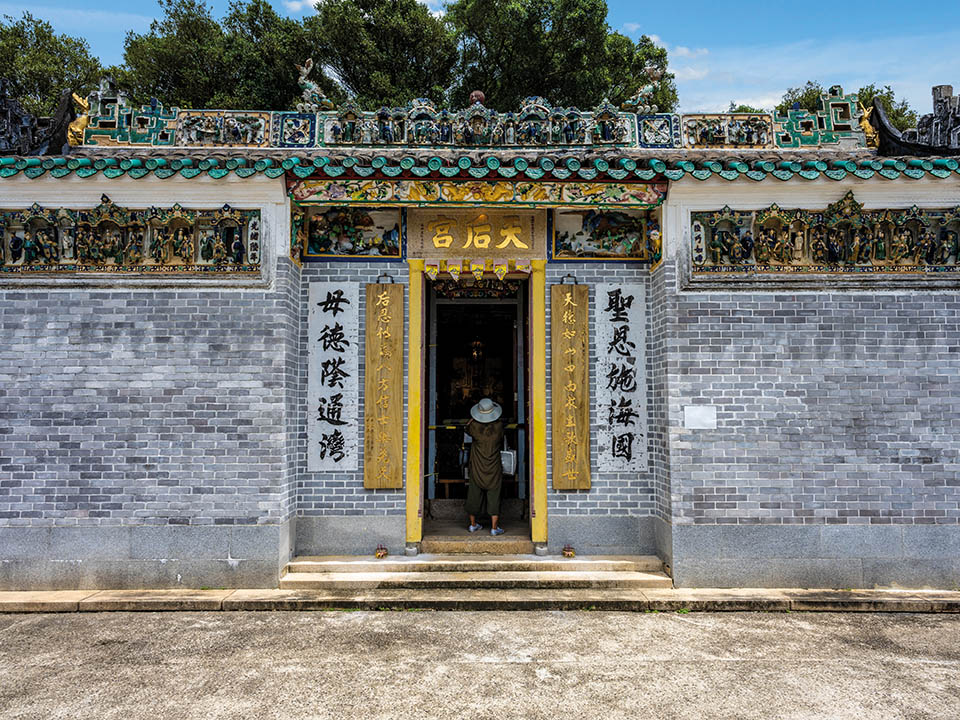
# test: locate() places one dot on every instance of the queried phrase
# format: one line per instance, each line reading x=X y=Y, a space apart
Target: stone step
x=559 y=580
x=471 y=545
x=473 y=563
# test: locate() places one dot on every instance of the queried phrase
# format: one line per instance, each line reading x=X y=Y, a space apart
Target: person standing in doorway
x=486 y=471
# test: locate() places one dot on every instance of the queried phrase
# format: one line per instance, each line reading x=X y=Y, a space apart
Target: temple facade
x=232 y=338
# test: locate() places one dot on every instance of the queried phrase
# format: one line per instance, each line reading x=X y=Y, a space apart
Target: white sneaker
x=474 y=528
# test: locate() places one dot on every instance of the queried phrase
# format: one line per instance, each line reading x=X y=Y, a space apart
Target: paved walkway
x=457 y=665
x=713 y=600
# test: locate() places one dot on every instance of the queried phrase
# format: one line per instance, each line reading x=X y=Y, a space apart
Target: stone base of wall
x=168 y=556
x=825 y=556
x=602 y=535
x=350 y=534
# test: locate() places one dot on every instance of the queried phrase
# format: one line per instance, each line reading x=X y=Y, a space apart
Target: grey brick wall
x=833 y=407
x=343 y=494
x=147 y=407
x=611 y=494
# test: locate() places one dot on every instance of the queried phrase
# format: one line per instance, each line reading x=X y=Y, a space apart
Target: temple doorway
x=477 y=348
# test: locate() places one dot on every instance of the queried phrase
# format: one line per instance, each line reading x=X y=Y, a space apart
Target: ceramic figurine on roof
x=313 y=98
x=937 y=133
x=735 y=130
x=642 y=103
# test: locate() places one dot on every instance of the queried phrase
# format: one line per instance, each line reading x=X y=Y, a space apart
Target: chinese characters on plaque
x=621 y=377
x=333 y=379
x=477 y=234
x=383 y=388
x=569 y=308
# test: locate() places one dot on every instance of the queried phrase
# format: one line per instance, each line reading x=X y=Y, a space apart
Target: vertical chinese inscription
x=621 y=377
x=333 y=380
x=383 y=395
x=570 y=382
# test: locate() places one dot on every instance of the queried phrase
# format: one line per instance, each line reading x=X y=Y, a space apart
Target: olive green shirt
x=486 y=470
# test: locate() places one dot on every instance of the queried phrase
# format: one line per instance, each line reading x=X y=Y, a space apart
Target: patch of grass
x=683 y=611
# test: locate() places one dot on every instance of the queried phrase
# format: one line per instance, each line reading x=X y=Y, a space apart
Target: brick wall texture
x=832 y=407
x=160 y=407
x=188 y=406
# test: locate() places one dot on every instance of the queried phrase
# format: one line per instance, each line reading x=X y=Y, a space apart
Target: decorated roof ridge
x=608 y=167
x=109 y=120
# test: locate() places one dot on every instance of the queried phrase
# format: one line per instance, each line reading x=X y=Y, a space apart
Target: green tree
x=563 y=50
x=261 y=50
x=383 y=52
x=742 y=108
x=180 y=60
x=899 y=112
x=39 y=64
x=805 y=98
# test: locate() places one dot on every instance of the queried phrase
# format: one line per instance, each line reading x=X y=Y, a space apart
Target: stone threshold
x=632 y=600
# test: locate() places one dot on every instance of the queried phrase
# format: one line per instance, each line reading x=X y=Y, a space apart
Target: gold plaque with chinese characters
x=570 y=379
x=475 y=234
x=383 y=388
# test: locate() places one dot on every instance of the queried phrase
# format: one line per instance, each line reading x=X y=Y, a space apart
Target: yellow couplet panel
x=570 y=389
x=383 y=399
x=538 y=400
x=414 y=496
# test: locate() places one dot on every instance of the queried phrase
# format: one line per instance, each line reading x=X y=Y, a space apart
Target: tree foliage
x=803 y=98
x=383 y=52
x=899 y=112
x=743 y=108
x=563 y=50
x=180 y=60
x=39 y=64
x=376 y=52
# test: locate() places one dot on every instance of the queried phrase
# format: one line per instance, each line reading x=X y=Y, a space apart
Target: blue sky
x=746 y=52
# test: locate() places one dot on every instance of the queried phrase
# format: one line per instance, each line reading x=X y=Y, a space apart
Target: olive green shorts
x=474 y=504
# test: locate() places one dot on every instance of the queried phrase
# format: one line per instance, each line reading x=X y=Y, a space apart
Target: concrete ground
x=465 y=665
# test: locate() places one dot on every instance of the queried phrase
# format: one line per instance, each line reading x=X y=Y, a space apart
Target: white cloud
x=685 y=52
x=689 y=73
x=632 y=27
x=298 y=5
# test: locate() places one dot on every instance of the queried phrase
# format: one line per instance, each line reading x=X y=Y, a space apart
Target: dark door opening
x=477 y=349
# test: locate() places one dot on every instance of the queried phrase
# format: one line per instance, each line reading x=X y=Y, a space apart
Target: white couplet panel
x=621 y=377
x=333 y=415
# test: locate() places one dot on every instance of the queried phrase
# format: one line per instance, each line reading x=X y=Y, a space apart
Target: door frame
x=417 y=417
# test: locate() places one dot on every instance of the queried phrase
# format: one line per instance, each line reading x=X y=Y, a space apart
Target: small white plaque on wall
x=621 y=376
x=333 y=396
x=700 y=417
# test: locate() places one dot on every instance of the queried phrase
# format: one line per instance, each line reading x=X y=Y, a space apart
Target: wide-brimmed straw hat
x=486 y=411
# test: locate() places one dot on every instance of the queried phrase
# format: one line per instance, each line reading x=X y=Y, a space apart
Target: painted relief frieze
x=841 y=238
x=632 y=235
x=216 y=127
x=328 y=232
x=733 y=130
x=659 y=131
x=440 y=192
x=110 y=238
